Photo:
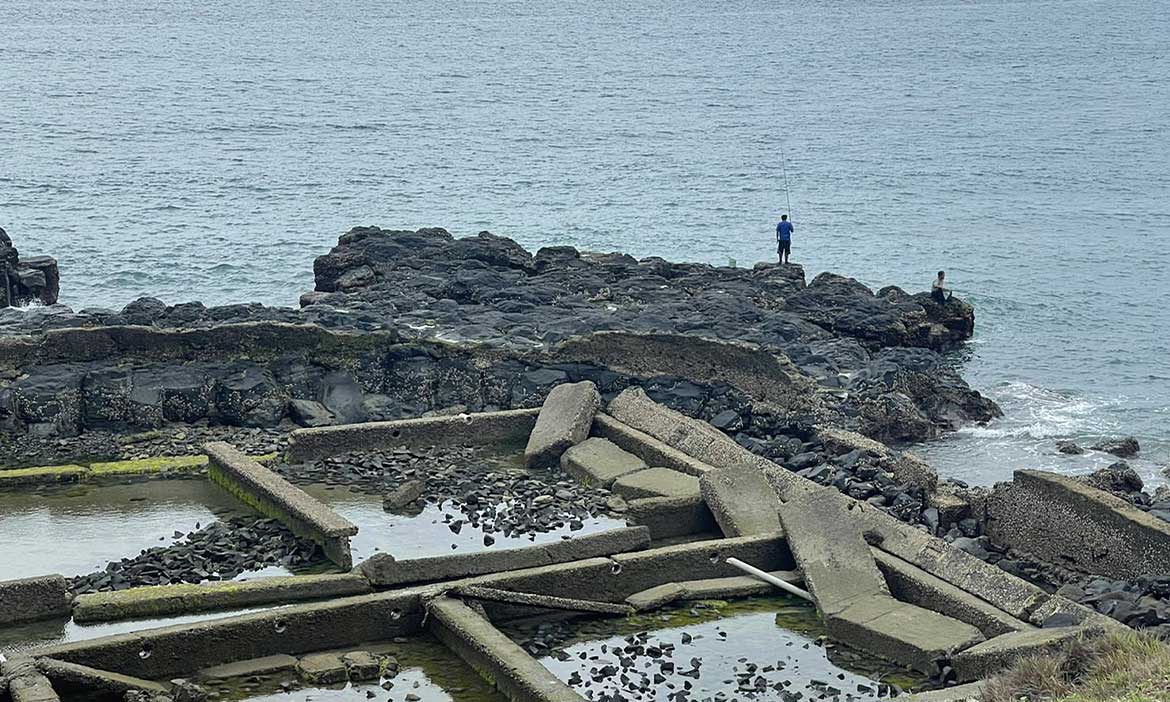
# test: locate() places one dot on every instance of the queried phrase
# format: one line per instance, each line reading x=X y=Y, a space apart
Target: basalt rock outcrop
x=31 y=279
x=403 y=323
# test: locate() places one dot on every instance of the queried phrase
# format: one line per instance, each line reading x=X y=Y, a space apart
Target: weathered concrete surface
x=914 y=585
x=906 y=467
x=479 y=429
x=295 y=629
x=30 y=599
x=901 y=632
x=672 y=516
x=25 y=682
x=274 y=496
x=741 y=500
x=494 y=655
x=971 y=692
x=656 y=597
x=322 y=669
x=71 y=677
x=646 y=447
x=1062 y=520
x=361 y=665
x=656 y=482
x=565 y=420
x=737 y=586
x=836 y=561
x=599 y=462
x=41 y=475
x=163 y=600
x=993 y=655
x=253 y=666
x=383 y=570
x=528 y=599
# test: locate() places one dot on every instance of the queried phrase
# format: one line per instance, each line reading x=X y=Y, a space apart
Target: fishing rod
x=784 y=169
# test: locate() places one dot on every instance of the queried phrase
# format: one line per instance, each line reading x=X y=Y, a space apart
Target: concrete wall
x=479 y=429
x=1061 y=520
x=30 y=599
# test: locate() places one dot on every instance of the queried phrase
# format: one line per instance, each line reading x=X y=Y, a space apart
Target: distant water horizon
x=194 y=152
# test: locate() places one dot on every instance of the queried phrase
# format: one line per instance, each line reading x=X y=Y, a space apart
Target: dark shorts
x=783 y=247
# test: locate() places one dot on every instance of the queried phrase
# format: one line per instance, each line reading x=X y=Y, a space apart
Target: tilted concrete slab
x=25 y=682
x=496 y=657
x=68 y=677
x=646 y=447
x=656 y=482
x=1059 y=519
x=164 y=600
x=656 y=597
x=31 y=599
x=597 y=461
x=837 y=564
x=265 y=665
x=742 y=500
x=901 y=632
x=383 y=570
x=672 y=516
x=738 y=586
x=510 y=427
x=995 y=654
x=971 y=692
x=529 y=599
x=565 y=420
x=914 y=585
x=272 y=495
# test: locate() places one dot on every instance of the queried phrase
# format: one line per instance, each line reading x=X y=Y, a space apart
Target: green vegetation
x=1125 y=667
x=143 y=466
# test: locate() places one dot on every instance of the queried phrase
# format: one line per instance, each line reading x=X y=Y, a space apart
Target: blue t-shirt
x=784 y=231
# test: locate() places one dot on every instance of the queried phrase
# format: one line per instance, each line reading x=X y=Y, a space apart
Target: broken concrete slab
x=529 y=599
x=166 y=600
x=995 y=654
x=737 y=586
x=656 y=597
x=672 y=516
x=901 y=632
x=565 y=420
x=25 y=683
x=742 y=500
x=829 y=549
x=599 y=462
x=656 y=482
x=403 y=495
x=646 y=447
x=265 y=665
x=1077 y=613
x=31 y=599
x=362 y=665
x=383 y=570
x=971 y=692
x=1059 y=519
x=67 y=677
x=273 y=496
x=322 y=669
x=479 y=429
x=914 y=585
x=493 y=655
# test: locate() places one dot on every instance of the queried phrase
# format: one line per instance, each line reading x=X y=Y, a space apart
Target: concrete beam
x=31 y=599
x=1059 y=519
x=993 y=655
x=599 y=462
x=71 y=677
x=564 y=421
x=668 y=517
x=272 y=495
x=741 y=500
x=901 y=632
x=479 y=429
x=383 y=570
x=25 y=682
x=652 y=451
x=528 y=599
x=493 y=655
x=971 y=692
x=656 y=482
x=166 y=600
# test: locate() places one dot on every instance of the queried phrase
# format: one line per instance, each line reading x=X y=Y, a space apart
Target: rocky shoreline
x=404 y=324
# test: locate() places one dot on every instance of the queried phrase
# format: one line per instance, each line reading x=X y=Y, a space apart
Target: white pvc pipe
x=769 y=578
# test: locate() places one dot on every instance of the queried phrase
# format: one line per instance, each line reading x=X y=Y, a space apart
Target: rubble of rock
x=25 y=280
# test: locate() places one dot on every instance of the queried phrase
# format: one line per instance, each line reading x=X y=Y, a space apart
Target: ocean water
x=210 y=150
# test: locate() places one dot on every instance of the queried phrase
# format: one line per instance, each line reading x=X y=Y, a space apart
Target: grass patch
x=1118 y=667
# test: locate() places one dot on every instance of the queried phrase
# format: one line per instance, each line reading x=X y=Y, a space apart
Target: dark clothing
x=938 y=296
x=784 y=247
x=784 y=231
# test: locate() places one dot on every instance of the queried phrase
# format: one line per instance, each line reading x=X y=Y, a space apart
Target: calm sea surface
x=210 y=150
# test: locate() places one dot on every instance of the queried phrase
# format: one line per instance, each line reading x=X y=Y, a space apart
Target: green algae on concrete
x=147 y=466
x=75 y=472
x=42 y=475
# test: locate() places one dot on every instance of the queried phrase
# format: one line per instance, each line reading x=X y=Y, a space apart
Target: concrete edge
x=646 y=447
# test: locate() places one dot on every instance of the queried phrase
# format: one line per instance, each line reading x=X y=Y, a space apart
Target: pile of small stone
x=221 y=550
x=492 y=496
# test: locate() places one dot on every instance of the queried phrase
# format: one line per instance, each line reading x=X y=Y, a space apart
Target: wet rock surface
x=221 y=550
x=493 y=494
x=174 y=440
x=25 y=280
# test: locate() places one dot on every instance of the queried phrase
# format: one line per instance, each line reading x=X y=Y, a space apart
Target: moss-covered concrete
x=147 y=466
x=42 y=475
x=76 y=472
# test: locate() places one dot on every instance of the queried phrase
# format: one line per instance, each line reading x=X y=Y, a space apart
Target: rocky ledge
x=403 y=323
x=26 y=280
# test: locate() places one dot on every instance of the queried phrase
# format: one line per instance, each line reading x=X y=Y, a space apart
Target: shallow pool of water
x=44 y=633
x=759 y=649
x=78 y=529
x=428 y=672
x=428 y=533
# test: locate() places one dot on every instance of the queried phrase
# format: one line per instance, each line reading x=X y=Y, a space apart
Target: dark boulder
x=1069 y=447
x=1118 y=477
x=31 y=279
x=1122 y=448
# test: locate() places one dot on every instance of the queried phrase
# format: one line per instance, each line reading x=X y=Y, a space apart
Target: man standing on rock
x=938 y=291
x=784 y=238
